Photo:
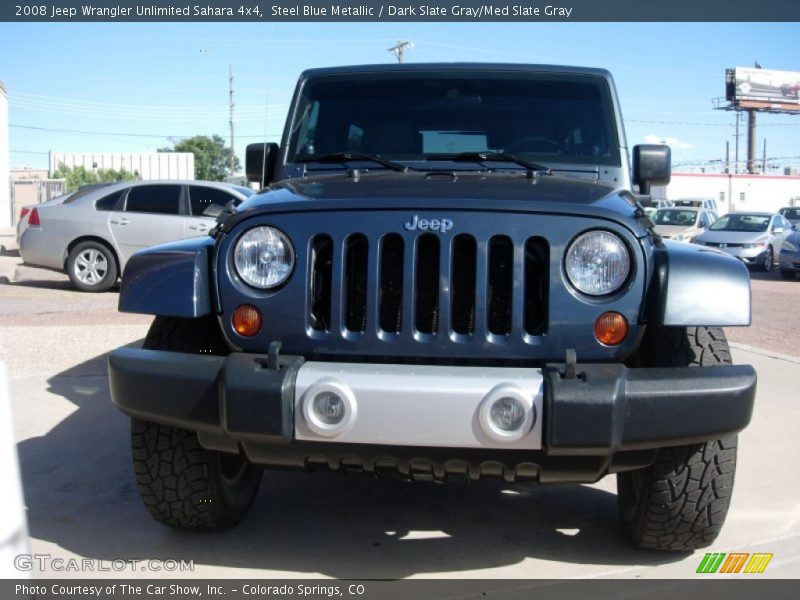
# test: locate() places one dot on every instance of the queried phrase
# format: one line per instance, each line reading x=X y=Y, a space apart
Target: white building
x=735 y=192
x=5 y=198
x=147 y=165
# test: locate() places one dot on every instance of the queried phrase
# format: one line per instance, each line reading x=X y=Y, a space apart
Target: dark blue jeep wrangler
x=447 y=276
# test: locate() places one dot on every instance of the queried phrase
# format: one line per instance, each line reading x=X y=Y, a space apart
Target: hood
x=509 y=191
x=732 y=237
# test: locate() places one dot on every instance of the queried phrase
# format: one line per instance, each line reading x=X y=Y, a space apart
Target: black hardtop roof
x=453 y=67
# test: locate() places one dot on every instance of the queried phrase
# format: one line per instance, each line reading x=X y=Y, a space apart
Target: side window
x=158 y=199
x=207 y=202
x=703 y=220
x=109 y=202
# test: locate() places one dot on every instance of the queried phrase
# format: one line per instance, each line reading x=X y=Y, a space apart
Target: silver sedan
x=92 y=235
x=753 y=237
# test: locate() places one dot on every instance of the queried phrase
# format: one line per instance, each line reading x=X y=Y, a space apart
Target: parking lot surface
x=82 y=500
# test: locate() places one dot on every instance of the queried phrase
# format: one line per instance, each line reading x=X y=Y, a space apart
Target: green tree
x=80 y=175
x=211 y=156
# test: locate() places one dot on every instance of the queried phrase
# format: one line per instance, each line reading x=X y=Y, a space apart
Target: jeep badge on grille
x=440 y=225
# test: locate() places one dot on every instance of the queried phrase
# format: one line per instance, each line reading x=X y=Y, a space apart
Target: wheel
x=92 y=267
x=680 y=502
x=181 y=483
x=787 y=274
x=766 y=265
x=768 y=261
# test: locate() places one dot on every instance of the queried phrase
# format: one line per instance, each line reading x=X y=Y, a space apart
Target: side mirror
x=652 y=164
x=260 y=161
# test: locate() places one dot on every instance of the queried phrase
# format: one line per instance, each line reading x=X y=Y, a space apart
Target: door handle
x=122 y=221
x=200 y=227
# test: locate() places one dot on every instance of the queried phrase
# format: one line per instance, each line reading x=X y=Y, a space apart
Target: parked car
x=755 y=238
x=789 y=260
x=791 y=214
x=651 y=211
x=682 y=224
x=707 y=203
x=25 y=211
x=92 y=233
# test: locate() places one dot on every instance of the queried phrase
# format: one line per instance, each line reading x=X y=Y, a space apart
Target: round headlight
x=597 y=263
x=264 y=257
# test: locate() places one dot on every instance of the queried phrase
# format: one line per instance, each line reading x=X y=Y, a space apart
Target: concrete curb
x=767 y=353
x=8 y=264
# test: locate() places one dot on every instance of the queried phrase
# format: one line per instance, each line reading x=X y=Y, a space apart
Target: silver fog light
x=329 y=407
x=507 y=413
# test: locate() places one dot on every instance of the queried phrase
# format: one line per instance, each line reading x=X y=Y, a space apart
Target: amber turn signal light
x=610 y=328
x=246 y=320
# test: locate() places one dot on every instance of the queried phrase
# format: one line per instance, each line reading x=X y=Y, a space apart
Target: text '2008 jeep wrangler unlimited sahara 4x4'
x=447 y=276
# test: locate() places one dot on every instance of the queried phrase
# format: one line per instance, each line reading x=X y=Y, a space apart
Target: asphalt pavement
x=82 y=500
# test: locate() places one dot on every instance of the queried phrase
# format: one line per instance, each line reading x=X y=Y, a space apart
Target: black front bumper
x=607 y=418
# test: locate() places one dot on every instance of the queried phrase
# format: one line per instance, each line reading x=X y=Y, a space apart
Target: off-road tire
x=679 y=503
x=181 y=483
x=96 y=274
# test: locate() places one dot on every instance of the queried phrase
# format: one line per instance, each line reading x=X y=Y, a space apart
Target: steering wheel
x=534 y=144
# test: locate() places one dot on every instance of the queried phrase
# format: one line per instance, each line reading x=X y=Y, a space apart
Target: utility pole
x=736 y=152
x=764 y=159
x=399 y=48
x=751 y=142
x=230 y=113
x=727 y=157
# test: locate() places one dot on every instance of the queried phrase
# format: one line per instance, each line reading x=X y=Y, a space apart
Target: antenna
x=399 y=48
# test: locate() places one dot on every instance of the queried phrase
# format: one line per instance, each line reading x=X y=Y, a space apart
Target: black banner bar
x=399 y=10
x=419 y=589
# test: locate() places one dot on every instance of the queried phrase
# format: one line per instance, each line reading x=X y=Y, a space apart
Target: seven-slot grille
x=428 y=286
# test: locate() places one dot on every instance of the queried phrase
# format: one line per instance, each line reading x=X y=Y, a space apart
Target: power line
x=114 y=106
x=28 y=152
x=706 y=124
x=154 y=112
x=82 y=132
x=124 y=134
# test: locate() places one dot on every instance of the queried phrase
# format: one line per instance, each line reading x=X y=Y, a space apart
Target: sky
x=137 y=87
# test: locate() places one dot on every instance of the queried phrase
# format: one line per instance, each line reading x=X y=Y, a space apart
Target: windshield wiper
x=489 y=157
x=340 y=157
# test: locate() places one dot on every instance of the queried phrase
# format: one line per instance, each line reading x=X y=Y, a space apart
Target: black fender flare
x=699 y=286
x=171 y=280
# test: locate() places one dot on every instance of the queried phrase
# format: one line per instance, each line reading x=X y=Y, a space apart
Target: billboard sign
x=763 y=88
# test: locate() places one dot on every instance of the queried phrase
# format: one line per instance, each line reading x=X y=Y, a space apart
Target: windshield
x=667 y=216
x=753 y=223
x=792 y=214
x=408 y=116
